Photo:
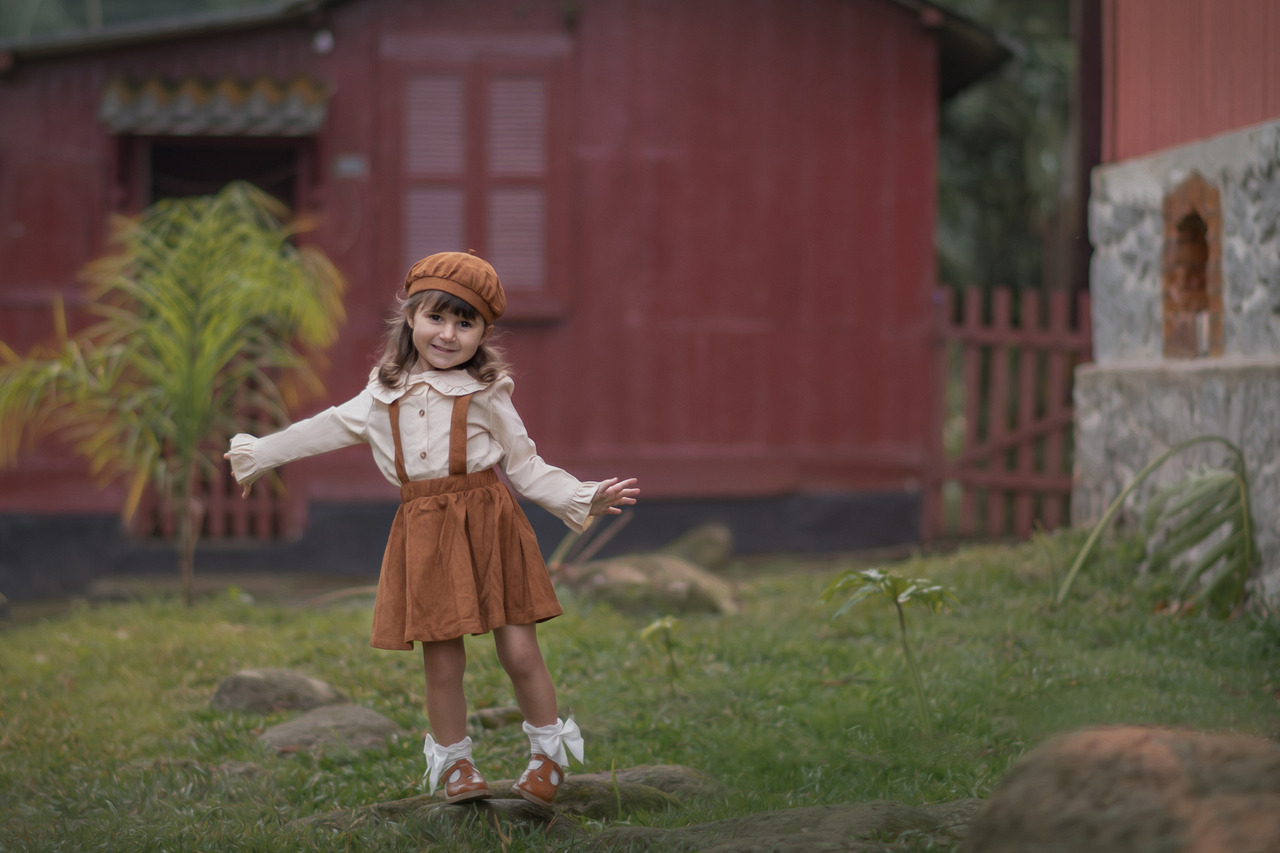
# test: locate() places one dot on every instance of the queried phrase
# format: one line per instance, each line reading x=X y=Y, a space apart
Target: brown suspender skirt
x=461 y=557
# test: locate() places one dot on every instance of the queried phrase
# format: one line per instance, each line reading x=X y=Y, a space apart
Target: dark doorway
x=181 y=168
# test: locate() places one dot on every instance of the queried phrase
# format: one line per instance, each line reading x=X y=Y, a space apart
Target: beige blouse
x=495 y=436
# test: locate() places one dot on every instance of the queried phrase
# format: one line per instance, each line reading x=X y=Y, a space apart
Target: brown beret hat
x=463 y=275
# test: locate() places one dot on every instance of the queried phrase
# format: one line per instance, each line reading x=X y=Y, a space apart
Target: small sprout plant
x=902 y=592
x=663 y=628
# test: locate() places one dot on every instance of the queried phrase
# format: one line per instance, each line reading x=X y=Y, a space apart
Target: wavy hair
x=488 y=365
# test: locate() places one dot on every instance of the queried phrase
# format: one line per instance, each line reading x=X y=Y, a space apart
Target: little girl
x=461 y=557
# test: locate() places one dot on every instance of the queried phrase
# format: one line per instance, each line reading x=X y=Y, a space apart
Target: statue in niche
x=1187 y=291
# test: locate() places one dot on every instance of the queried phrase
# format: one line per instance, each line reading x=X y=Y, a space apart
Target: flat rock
x=488 y=719
x=606 y=796
x=681 y=782
x=345 y=726
x=647 y=788
x=265 y=690
x=850 y=827
x=1136 y=790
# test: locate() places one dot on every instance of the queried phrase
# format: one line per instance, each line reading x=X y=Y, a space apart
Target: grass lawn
x=107 y=741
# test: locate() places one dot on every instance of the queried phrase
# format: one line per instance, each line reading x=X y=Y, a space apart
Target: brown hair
x=488 y=365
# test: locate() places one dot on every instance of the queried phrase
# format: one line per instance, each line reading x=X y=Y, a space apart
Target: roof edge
x=125 y=35
x=967 y=50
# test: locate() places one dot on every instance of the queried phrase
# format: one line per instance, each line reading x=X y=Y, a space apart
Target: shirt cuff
x=243 y=464
x=578 y=514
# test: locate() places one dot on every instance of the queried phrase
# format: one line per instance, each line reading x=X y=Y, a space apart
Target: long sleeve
x=552 y=488
x=334 y=428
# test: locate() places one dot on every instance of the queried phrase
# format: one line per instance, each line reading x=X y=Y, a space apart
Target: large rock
x=266 y=690
x=345 y=726
x=661 y=583
x=1136 y=790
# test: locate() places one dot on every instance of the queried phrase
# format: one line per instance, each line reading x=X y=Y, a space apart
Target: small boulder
x=655 y=582
x=1133 y=790
x=345 y=726
x=707 y=546
x=265 y=690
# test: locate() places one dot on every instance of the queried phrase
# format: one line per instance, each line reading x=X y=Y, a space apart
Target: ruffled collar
x=451 y=383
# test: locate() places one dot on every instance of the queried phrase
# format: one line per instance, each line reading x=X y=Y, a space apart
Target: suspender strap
x=394 y=411
x=458 y=435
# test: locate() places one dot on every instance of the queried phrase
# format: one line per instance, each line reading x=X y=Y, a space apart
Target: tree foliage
x=1003 y=154
x=205 y=309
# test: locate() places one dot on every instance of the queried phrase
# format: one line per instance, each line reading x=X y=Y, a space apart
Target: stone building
x=1186 y=318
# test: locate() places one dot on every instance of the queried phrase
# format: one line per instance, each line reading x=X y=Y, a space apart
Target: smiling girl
x=461 y=557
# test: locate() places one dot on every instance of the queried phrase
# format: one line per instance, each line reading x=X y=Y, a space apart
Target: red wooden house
x=714 y=219
x=1174 y=71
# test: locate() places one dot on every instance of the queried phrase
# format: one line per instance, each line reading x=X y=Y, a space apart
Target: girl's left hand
x=612 y=494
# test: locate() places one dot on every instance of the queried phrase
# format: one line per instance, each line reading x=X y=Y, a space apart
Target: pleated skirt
x=461 y=559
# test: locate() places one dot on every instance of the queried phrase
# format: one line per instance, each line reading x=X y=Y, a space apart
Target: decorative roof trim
x=226 y=107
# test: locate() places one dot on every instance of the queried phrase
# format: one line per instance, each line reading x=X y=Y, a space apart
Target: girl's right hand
x=612 y=494
x=247 y=487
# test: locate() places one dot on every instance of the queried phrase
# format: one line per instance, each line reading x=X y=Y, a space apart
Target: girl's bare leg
x=520 y=656
x=445 y=662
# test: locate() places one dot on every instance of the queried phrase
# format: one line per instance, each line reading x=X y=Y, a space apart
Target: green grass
x=107 y=741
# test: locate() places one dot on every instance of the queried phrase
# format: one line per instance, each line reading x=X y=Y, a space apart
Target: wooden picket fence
x=271 y=512
x=1002 y=459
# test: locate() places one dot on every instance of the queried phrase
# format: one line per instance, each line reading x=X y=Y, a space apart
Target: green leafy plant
x=902 y=592
x=1201 y=528
x=205 y=310
x=663 y=628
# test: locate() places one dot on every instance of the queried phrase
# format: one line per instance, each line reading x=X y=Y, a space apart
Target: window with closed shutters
x=479 y=163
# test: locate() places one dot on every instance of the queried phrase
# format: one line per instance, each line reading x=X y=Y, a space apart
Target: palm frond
x=1200 y=529
x=197 y=299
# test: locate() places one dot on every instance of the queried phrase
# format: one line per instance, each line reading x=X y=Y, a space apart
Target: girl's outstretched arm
x=613 y=494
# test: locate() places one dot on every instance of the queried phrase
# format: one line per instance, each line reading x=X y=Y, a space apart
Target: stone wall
x=1131 y=403
x=1127 y=414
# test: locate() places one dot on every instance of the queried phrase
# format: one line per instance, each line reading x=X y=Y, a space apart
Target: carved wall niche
x=1191 y=266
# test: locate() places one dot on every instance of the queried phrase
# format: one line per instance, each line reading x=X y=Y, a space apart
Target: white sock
x=553 y=740
x=439 y=757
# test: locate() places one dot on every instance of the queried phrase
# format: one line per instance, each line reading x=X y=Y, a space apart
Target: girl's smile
x=445 y=340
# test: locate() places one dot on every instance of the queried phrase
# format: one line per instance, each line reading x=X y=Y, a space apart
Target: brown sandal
x=540 y=780
x=464 y=782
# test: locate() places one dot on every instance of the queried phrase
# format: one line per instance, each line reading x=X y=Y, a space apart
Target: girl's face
x=443 y=339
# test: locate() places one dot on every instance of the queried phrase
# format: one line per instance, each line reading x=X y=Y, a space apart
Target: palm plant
x=1201 y=528
x=902 y=592
x=205 y=308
